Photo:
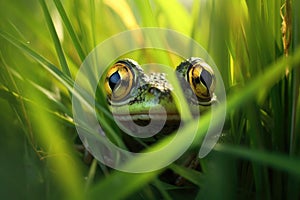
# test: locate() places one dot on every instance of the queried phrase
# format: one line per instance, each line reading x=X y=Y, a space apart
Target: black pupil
x=206 y=78
x=114 y=80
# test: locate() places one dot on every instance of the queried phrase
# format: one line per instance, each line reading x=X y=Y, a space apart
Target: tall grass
x=43 y=43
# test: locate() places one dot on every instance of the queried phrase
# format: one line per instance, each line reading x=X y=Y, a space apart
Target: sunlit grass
x=43 y=43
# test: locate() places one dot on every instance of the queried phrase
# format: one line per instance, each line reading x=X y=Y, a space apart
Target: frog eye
x=119 y=81
x=201 y=79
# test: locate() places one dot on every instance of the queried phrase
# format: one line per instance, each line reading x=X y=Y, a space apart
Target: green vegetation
x=254 y=43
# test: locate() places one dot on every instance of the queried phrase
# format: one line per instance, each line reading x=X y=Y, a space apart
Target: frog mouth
x=140 y=122
x=148 y=117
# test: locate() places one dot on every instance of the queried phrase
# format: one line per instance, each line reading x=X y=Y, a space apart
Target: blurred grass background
x=255 y=45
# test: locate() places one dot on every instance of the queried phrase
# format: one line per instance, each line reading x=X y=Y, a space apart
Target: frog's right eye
x=119 y=81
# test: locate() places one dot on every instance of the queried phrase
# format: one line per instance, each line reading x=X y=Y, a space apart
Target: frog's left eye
x=119 y=81
x=201 y=79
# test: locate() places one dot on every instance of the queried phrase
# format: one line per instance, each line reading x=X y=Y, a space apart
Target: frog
x=135 y=98
x=131 y=93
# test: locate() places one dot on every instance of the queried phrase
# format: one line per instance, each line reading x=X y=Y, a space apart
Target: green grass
x=258 y=155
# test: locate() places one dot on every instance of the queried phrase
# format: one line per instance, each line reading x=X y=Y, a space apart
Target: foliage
x=255 y=45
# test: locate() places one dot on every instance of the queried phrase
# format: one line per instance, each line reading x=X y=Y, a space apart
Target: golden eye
x=201 y=79
x=118 y=81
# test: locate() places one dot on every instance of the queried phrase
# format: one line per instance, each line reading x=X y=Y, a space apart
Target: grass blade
x=192 y=175
x=55 y=39
x=64 y=79
x=275 y=160
x=70 y=29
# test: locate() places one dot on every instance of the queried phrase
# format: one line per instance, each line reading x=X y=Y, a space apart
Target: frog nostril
x=154 y=91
